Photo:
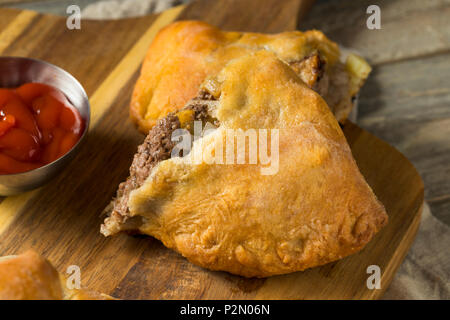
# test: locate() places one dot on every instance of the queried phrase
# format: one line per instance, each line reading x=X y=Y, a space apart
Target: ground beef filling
x=333 y=85
x=311 y=69
x=156 y=147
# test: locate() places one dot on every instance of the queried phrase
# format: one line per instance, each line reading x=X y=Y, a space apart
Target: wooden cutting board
x=61 y=220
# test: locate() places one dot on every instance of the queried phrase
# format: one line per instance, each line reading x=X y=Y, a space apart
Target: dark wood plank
x=248 y=15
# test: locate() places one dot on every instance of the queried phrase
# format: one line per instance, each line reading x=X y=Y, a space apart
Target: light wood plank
x=9 y=34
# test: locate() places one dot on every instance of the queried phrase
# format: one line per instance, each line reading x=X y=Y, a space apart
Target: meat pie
x=314 y=208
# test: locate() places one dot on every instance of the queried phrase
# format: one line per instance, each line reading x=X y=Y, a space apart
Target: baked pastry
x=313 y=208
x=185 y=53
x=31 y=277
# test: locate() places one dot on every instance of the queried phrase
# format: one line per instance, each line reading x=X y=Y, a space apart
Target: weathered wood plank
x=440 y=207
x=408 y=28
x=408 y=104
x=426 y=144
x=408 y=90
x=406 y=100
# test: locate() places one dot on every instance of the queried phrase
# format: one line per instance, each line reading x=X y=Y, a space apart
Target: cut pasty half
x=306 y=206
x=185 y=53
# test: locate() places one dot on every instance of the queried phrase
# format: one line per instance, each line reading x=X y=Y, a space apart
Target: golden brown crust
x=184 y=53
x=315 y=209
x=31 y=277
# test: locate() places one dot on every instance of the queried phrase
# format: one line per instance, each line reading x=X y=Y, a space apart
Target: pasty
x=297 y=203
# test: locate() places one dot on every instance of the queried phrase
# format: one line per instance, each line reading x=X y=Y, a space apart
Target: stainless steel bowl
x=15 y=71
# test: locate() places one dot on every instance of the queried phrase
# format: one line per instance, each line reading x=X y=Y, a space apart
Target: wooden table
x=370 y=110
x=406 y=101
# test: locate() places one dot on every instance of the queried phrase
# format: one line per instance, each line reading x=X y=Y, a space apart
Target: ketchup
x=37 y=126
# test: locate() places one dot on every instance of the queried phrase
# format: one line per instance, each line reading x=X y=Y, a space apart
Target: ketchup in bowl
x=37 y=126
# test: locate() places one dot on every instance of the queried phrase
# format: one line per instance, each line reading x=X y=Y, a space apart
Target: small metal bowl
x=15 y=71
